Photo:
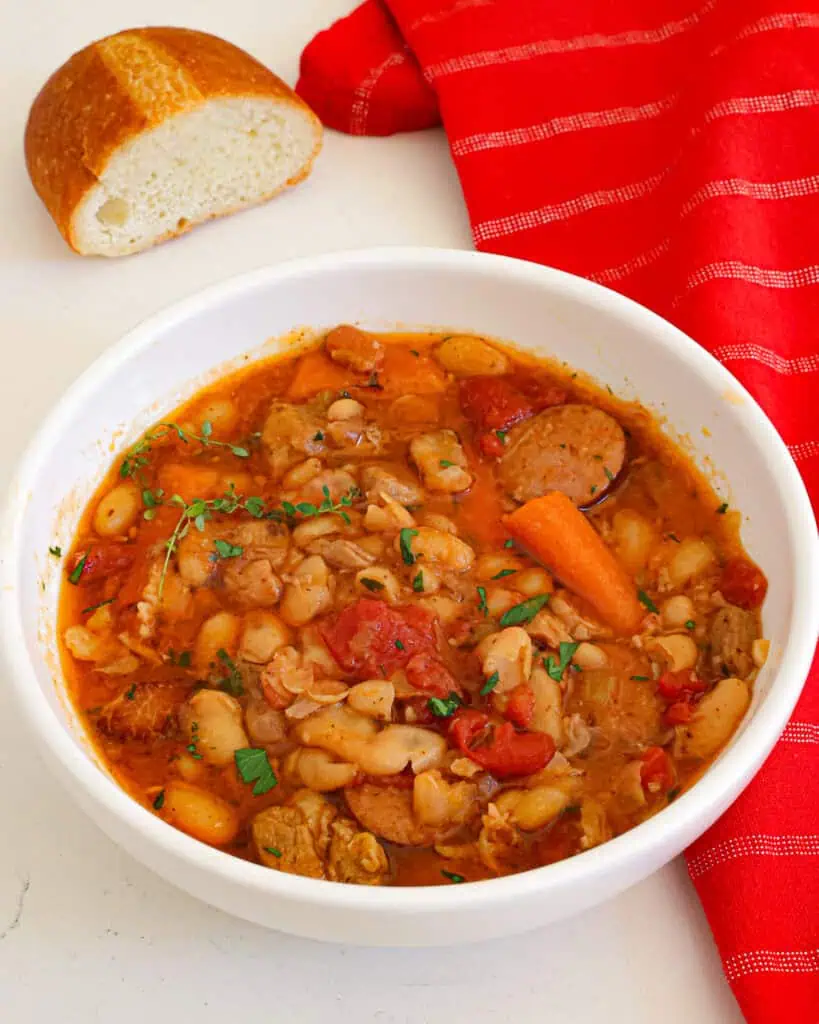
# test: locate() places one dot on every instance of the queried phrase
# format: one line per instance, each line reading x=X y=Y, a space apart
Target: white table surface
x=86 y=933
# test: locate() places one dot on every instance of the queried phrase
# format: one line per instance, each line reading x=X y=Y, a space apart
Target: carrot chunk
x=559 y=535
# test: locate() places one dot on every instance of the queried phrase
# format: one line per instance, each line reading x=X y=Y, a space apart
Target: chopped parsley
x=673 y=794
x=674 y=537
x=453 y=877
x=405 y=544
x=231 y=682
x=509 y=543
x=371 y=584
x=490 y=684
x=641 y=679
x=191 y=747
x=608 y=472
x=504 y=573
x=415 y=352
x=399 y=645
x=565 y=654
x=501 y=436
x=445 y=463
x=482 y=605
x=418 y=582
x=183 y=659
x=130 y=693
x=99 y=604
x=224 y=549
x=56 y=551
x=722 y=509
x=690 y=624
x=76 y=572
x=159 y=800
x=318 y=436
x=274 y=850
x=644 y=599
x=524 y=612
x=444 y=707
x=253 y=765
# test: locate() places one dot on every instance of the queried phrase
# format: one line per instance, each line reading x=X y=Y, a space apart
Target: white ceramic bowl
x=542 y=310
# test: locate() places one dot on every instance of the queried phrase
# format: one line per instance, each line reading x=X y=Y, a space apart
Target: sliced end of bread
x=221 y=156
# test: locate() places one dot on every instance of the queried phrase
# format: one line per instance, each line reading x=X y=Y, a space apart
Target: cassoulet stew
x=408 y=610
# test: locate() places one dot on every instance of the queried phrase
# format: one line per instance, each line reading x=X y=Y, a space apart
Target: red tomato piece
x=491 y=445
x=520 y=708
x=675 y=685
x=101 y=562
x=428 y=673
x=492 y=403
x=678 y=713
x=743 y=584
x=657 y=771
x=370 y=639
x=507 y=752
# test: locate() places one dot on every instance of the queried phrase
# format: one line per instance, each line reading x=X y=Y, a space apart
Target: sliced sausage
x=733 y=632
x=576 y=449
x=386 y=811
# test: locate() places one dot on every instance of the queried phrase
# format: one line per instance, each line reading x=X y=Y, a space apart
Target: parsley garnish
x=373 y=382
x=371 y=584
x=318 y=436
x=644 y=599
x=183 y=659
x=399 y=646
x=504 y=573
x=415 y=352
x=509 y=543
x=565 y=653
x=418 y=582
x=722 y=509
x=130 y=693
x=608 y=472
x=273 y=850
x=453 y=877
x=673 y=794
x=76 y=572
x=524 y=612
x=405 y=542
x=501 y=436
x=690 y=624
x=482 y=605
x=444 y=707
x=224 y=549
x=490 y=684
x=642 y=679
x=159 y=800
x=99 y=604
x=232 y=682
x=191 y=747
x=56 y=551
x=253 y=765
x=445 y=463
x=674 y=537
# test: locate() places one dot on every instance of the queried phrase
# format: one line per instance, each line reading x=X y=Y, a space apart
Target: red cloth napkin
x=670 y=150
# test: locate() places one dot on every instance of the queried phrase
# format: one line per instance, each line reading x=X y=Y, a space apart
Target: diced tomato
x=743 y=584
x=101 y=562
x=520 y=707
x=369 y=639
x=657 y=771
x=491 y=445
x=507 y=752
x=492 y=403
x=678 y=712
x=428 y=673
x=675 y=685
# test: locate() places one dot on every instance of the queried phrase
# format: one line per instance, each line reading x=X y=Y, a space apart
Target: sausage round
x=576 y=449
x=387 y=812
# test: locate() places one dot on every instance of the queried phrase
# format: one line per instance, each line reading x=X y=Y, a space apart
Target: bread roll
x=144 y=134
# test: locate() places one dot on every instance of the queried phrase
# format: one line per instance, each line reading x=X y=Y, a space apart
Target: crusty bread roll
x=148 y=132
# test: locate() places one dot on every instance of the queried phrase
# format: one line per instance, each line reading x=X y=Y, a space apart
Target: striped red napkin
x=670 y=150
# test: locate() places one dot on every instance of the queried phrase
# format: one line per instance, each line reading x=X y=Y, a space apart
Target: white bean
x=633 y=538
x=678 y=651
x=440 y=548
x=690 y=558
x=759 y=651
x=487 y=567
x=221 y=413
x=590 y=656
x=548 y=712
x=312 y=529
x=301 y=474
x=531 y=582
x=676 y=611
x=213 y=721
x=317 y=770
x=219 y=632
x=509 y=654
x=345 y=409
x=263 y=633
x=373 y=698
x=714 y=720
x=308 y=594
x=379 y=583
x=117 y=511
x=199 y=813
x=468 y=356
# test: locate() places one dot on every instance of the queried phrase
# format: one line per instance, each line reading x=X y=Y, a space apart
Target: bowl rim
x=686 y=818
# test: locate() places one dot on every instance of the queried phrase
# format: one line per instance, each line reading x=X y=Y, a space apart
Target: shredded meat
x=143 y=712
